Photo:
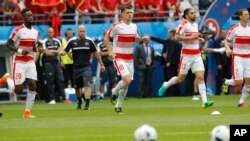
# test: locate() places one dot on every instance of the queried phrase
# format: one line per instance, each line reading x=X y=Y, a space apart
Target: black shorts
x=82 y=77
x=108 y=75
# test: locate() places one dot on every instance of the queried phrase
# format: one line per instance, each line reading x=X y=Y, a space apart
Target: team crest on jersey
x=86 y=43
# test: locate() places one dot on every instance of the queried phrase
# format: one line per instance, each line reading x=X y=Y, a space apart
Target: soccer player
x=187 y=32
x=124 y=34
x=82 y=48
x=239 y=34
x=22 y=41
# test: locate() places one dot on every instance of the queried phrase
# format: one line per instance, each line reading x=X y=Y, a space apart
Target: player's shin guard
x=118 y=87
x=121 y=97
x=244 y=93
x=202 y=91
x=30 y=100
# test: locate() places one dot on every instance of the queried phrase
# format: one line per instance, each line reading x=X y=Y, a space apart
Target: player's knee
x=126 y=82
x=179 y=80
x=200 y=79
x=238 y=82
x=18 y=90
x=32 y=86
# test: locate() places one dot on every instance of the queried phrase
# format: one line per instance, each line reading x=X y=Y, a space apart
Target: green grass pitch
x=175 y=119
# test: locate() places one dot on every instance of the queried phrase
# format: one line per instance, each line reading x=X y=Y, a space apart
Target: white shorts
x=21 y=71
x=241 y=68
x=124 y=68
x=193 y=62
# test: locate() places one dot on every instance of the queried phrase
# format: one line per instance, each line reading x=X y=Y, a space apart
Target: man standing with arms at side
x=239 y=34
x=187 y=32
x=22 y=41
x=82 y=48
x=124 y=34
x=66 y=61
x=145 y=63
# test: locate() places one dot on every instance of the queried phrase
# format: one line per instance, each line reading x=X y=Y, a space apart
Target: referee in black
x=80 y=49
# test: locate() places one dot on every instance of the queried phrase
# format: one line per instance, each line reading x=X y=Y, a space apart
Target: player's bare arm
x=227 y=46
x=103 y=53
x=10 y=45
x=185 y=38
x=141 y=39
x=108 y=45
x=99 y=59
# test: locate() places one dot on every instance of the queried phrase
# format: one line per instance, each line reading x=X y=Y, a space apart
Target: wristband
x=20 y=50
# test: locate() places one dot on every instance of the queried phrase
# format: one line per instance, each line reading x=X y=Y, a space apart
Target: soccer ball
x=145 y=133
x=220 y=133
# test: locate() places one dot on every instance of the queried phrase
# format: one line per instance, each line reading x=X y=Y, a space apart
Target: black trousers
x=225 y=72
x=145 y=78
x=169 y=73
x=54 y=79
x=68 y=75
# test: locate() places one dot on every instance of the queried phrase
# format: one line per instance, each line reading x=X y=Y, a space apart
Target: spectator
x=140 y=10
x=70 y=12
x=66 y=61
x=203 y=6
x=170 y=59
x=95 y=8
x=172 y=7
x=83 y=11
x=110 y=72
x=11 y=11
x=110 y=7
x=223 y=62
x=155 y=8
x=53 y=70
x=145 y=63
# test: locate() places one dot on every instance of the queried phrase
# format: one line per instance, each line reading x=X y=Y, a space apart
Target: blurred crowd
x=95 y=11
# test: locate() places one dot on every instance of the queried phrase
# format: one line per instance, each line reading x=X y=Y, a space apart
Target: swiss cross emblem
x=213 y=25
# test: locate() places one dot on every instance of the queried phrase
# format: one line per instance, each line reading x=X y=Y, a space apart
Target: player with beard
x=187 y=32
x=22 y=41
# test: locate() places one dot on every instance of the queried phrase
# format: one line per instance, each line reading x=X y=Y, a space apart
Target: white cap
x=145 y=133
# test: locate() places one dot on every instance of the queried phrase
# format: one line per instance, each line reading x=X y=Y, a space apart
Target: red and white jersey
x=24 y=38
x=186 y=28
x=240 y=37
x=123 y=40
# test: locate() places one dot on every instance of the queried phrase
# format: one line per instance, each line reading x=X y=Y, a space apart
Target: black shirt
x=81 y=51
x=105 y=59
x=53 y=44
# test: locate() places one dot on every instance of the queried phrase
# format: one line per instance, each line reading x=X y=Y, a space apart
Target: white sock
x=202 y=91
x=230 y=82
x=118 y=87
x=30 y=100
x=244 y=93
x=121 y=97
x=170 y=82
